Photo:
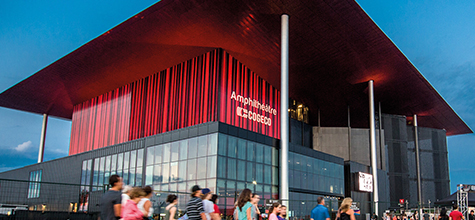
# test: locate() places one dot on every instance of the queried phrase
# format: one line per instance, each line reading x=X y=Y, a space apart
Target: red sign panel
x=246 y=100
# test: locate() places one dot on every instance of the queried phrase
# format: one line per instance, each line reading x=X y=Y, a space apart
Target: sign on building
x=365 y=182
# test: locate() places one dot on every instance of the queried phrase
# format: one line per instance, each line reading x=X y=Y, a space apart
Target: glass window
x=95 y=179
x=88 y=175
x=126 y=160
x=275 y=176
x=259 y=153
x=138 y=177
x=251 y=169
x=183 y=149
x=221 y=187
x=232 y=144
x=240 y=186
x=175 y=148
x=132 y=176
x=212 y=144
x=259 y=173
x=114 y=164
x=222 y=144
x=201 y=171
x=241 y=171
x=191 y=169
x=172 y=187
x=83 y=173
x=211 y=167
x=166 y=172
x=101 y=171
x=192 y=147
x=221 y=167
x=149 y=175
x=241 y=149
x=125 y=176
x=231 y=169
x=275 y=157
x=166 y=153
x=174 y=172
x=211 y=184
x=158 y=150
x=291 y=161
x=267 y=174
x=140 y=158
x=157 y=174
x=107 y=170
x=182 y=188
x=150 y=156
x=202 y=146
x=268 y=155
x=120 y=162
x=182 y=171
x=231 y=189
x=133 y=158
x=251 y=152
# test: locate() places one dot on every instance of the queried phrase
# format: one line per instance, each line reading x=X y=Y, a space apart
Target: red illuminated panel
x=101 y=121
x=178 y=97
x=246 y=100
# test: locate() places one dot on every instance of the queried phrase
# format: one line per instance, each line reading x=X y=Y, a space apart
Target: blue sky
x=437 y=37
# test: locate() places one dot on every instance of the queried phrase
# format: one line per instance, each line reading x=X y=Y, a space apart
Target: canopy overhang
x=335 y=48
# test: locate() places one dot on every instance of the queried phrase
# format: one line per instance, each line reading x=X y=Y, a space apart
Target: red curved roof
x=334 y=49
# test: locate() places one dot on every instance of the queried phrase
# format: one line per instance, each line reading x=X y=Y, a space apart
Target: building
x=183 y=85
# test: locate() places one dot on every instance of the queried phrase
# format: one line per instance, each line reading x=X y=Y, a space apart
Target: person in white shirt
x=208 y=206
x=145 y=206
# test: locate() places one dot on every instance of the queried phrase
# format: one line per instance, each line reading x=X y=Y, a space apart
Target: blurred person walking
x=208 y=206
x=145 y=206
x=455 y=214
x=171 y=210
x=111 y=200
x=345 y=212
x=255 y=212
x=130 y=210
x=320 y=212
x=443 y=214
x=194 y=208
x=283 y=212
x=274 y=211
x=214 y=199
x=244 y=205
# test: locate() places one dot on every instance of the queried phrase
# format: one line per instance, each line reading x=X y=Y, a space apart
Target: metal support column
x=381 y=142
x=284 y=114
x=418 y=168
x=349 y=134
x=372 y=131
x=43 y=138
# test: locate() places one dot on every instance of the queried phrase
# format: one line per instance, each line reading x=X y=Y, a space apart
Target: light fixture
x=254 y=182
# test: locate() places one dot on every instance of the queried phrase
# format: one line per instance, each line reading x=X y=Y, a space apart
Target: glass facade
x=34 y=185
x=85 y=185
x=312 y=174
x=177 y=166
x=301 y=204
x=245 y=164
x=224 y=163
x=128 y=165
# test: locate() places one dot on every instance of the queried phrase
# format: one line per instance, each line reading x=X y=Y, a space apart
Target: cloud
x=23 y=147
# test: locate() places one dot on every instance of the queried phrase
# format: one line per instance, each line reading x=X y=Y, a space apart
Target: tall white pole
x=43 y=138
x=418 y=167
x=372 y=131
x=284 y=114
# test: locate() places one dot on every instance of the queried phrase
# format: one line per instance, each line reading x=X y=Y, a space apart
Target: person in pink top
x=455 y=214
x=274 y=211
x=130 y=210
